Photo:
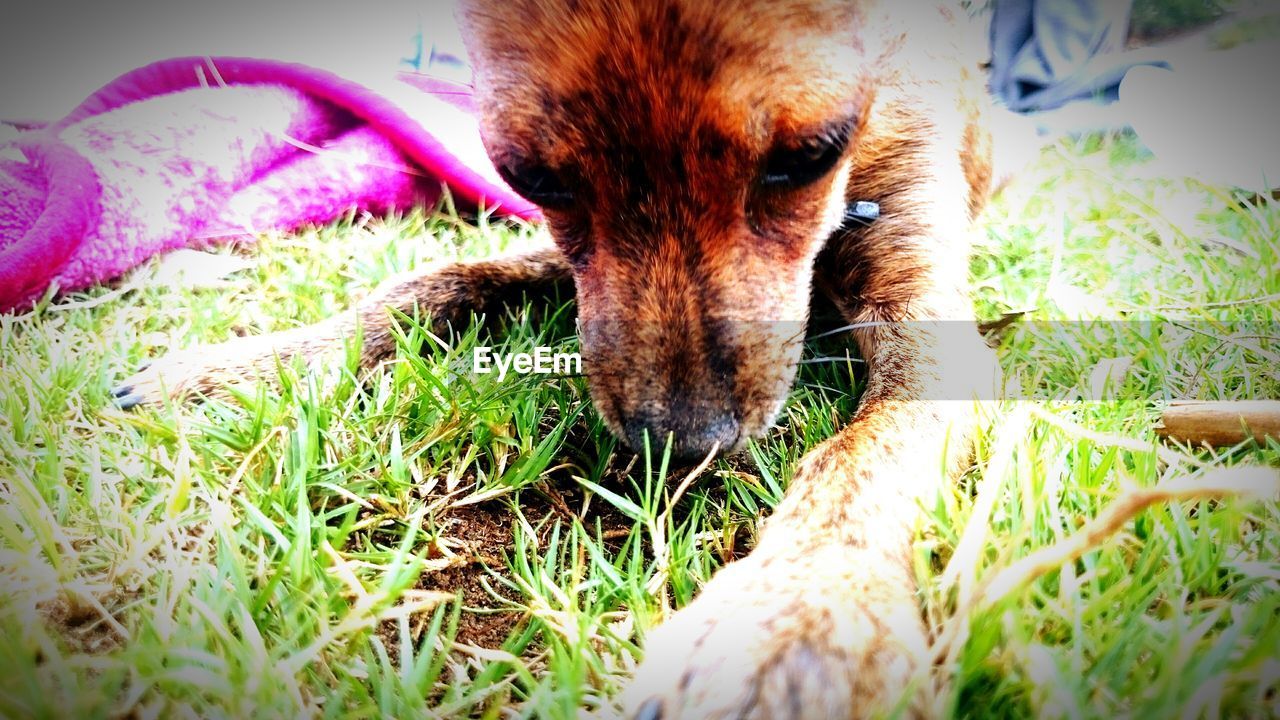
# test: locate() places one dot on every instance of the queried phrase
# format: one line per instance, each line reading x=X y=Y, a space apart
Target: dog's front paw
x=823 y=640
x=204 y=370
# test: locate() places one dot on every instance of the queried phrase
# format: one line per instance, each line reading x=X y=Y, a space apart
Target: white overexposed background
x=54 y=53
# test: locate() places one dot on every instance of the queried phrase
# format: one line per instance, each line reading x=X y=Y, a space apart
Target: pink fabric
x=190 y=150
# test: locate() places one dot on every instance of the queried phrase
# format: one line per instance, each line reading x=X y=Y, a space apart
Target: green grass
x=1152 y=19
x=428 y=542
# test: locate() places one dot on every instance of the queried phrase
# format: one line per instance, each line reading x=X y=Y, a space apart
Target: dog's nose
x=693 y=435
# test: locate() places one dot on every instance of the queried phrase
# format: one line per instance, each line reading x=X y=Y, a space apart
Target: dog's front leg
x=447 y=293
x=821 y=620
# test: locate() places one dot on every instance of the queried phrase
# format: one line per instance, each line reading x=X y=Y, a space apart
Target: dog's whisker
x=848 y=328
x=831 y=359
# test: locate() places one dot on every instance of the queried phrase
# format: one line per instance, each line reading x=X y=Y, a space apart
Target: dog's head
x=691 y=160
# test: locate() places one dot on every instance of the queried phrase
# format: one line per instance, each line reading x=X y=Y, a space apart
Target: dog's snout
x=693 y=434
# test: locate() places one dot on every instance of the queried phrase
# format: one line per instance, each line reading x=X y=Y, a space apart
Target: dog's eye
x=538 y=184
x=799 y=165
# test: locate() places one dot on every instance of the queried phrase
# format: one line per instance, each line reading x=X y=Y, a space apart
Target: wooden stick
x=1221 y=423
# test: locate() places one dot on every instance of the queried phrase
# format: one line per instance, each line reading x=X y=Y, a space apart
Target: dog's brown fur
x=693 y=282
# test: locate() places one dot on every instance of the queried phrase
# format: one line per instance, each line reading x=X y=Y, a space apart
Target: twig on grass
x=1220 y=423
x=1256 y=483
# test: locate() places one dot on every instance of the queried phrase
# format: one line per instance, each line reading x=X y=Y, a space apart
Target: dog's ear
x=502 y=35
x=509 y=23
x=473 y=17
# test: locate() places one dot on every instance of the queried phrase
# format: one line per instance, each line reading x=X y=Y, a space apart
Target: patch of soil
x=480 y=536
x=80 y=625
x=485 y=534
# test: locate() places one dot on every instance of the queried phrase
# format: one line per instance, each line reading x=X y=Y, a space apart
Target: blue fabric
x=1047 y=53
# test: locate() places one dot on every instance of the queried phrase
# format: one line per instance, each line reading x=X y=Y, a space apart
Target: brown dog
x=695 y=161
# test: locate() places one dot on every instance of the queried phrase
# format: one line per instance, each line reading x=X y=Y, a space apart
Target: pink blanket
x=194 y=150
